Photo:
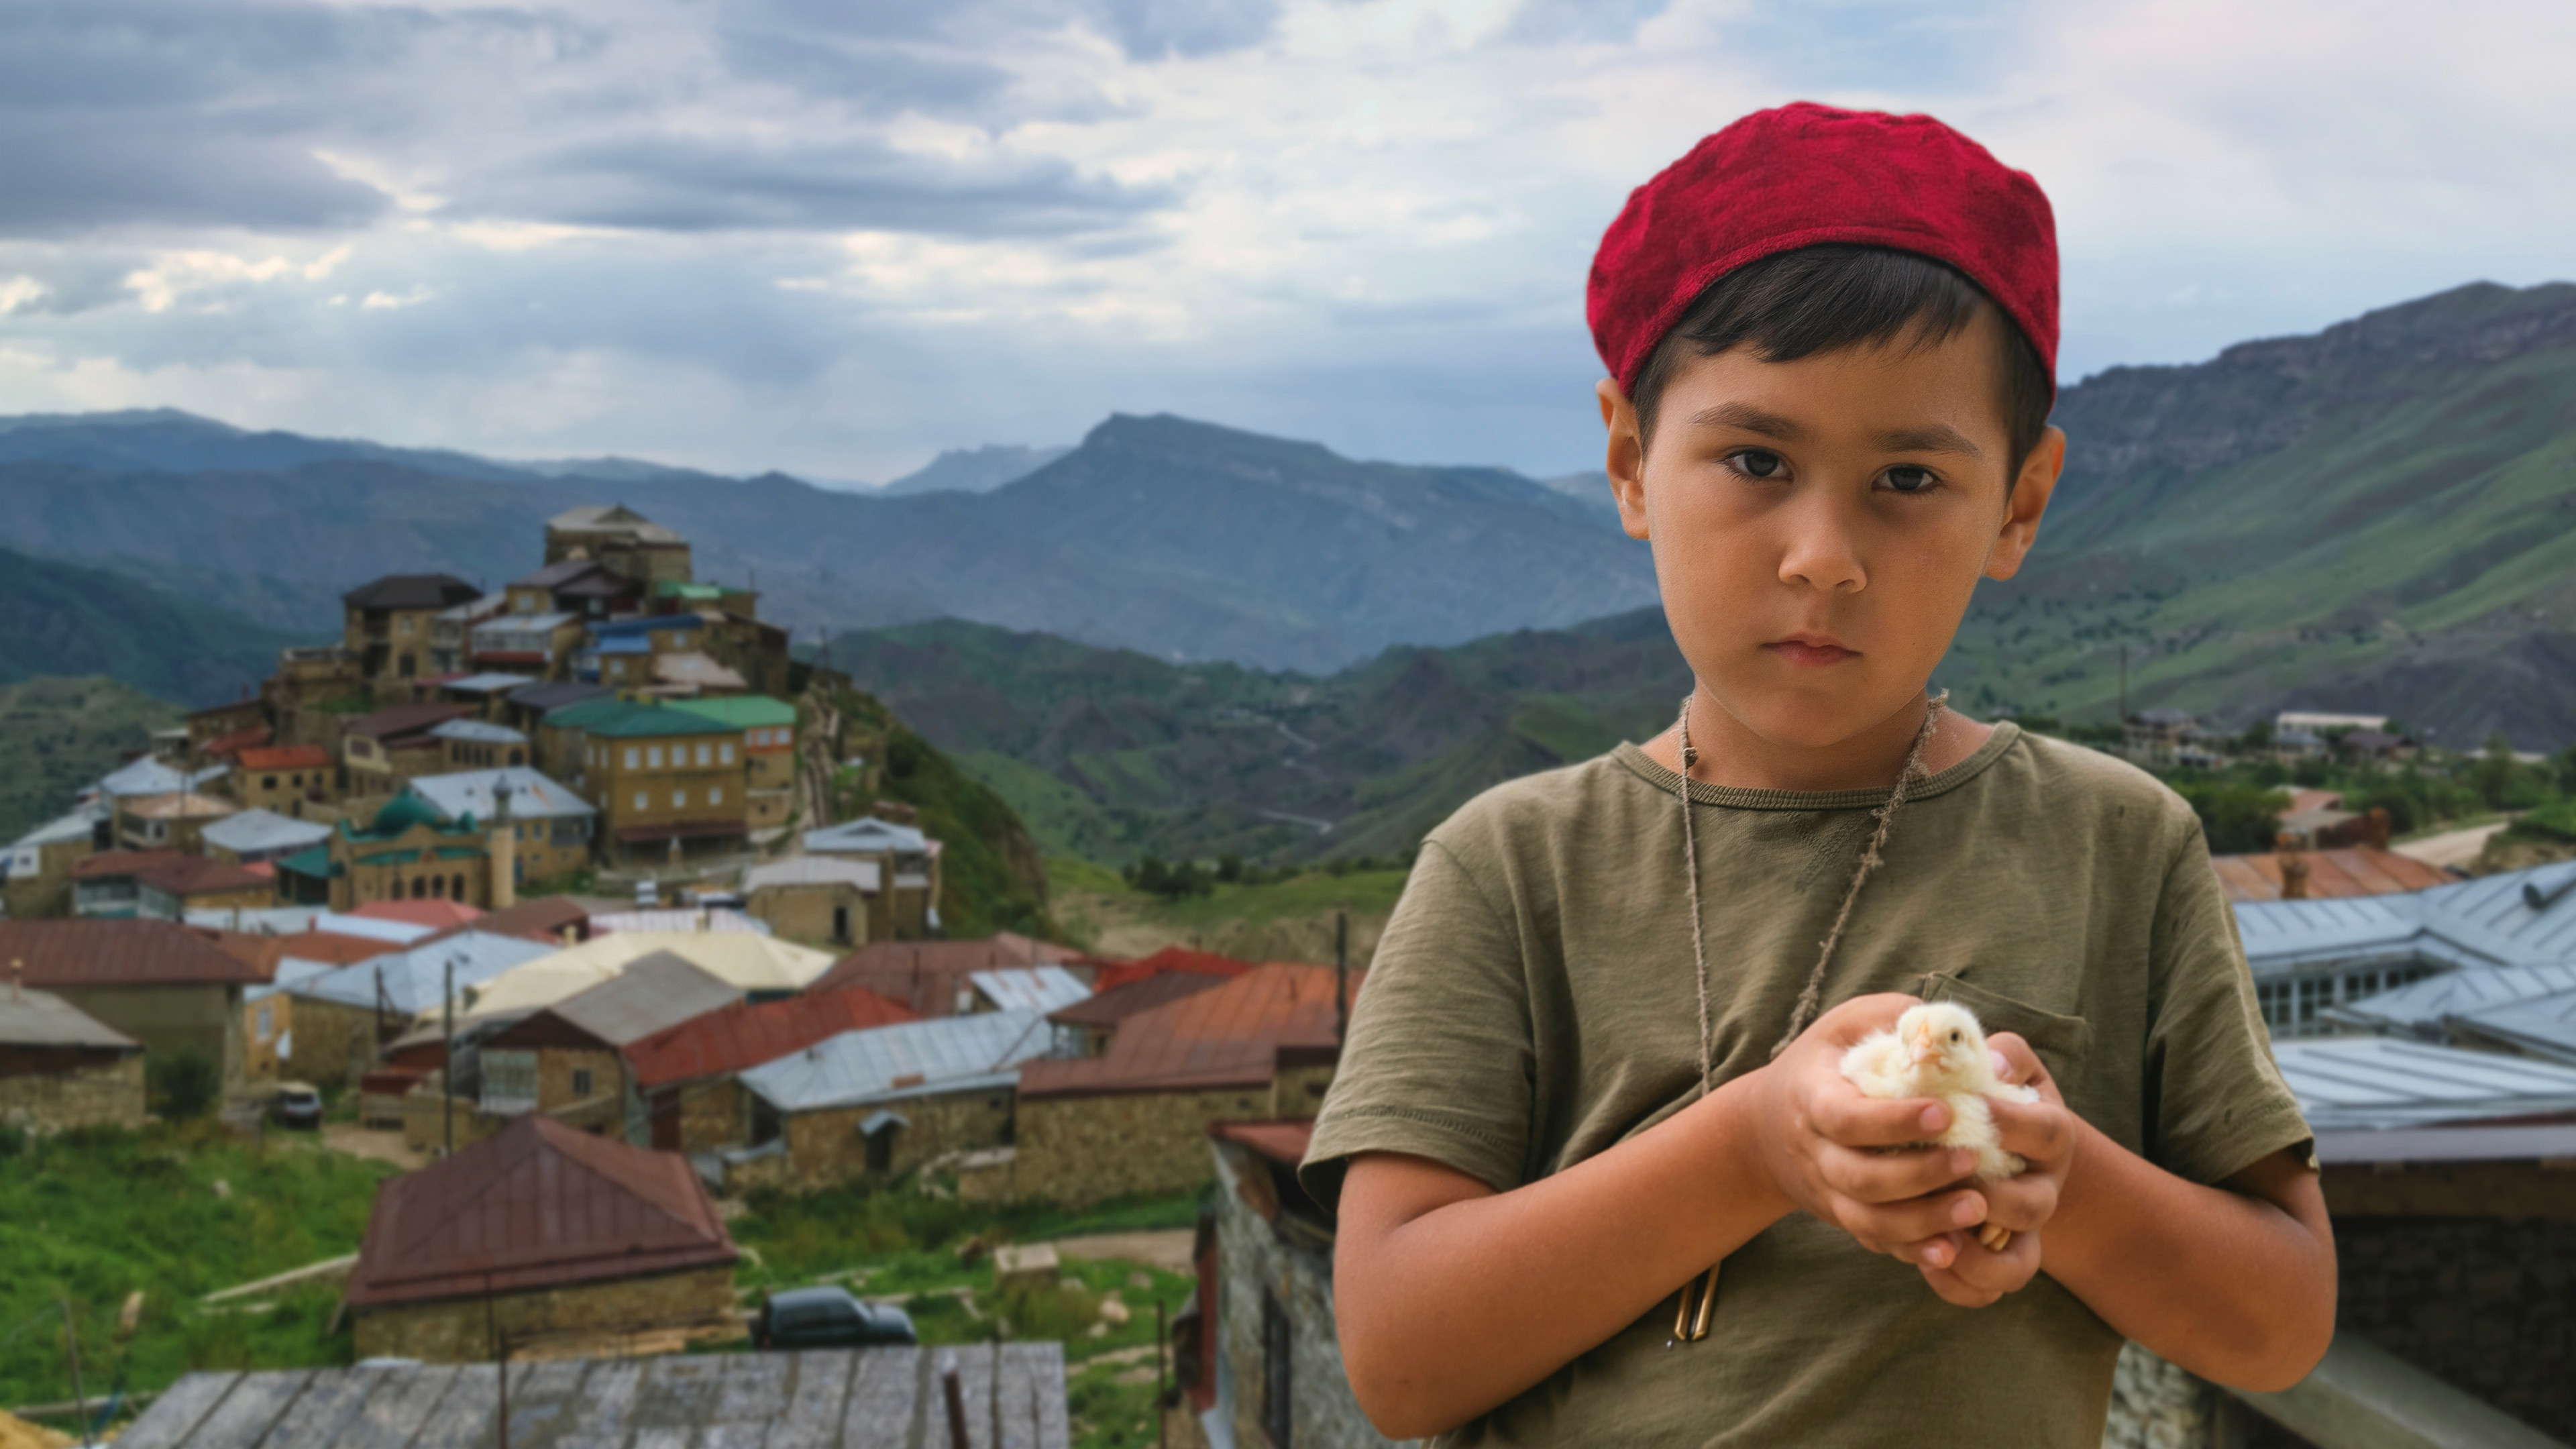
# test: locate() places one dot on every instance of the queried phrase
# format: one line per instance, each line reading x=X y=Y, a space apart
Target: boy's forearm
x=2236 y=1284
x=1446 y=1312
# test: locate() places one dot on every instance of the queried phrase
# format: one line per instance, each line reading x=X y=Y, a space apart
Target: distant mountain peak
x=973 y=470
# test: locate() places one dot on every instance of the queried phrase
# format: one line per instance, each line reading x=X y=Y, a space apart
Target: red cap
x=1807 y=175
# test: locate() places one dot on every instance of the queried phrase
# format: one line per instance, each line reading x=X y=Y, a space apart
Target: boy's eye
x=1906 y=479
x=1759 y=463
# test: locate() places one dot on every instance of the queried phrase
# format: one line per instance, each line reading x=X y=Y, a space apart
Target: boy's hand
x=2042 y=1133
x=1823 y=1144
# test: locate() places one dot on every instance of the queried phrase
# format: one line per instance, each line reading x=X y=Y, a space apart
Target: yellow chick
x=1937 y=1050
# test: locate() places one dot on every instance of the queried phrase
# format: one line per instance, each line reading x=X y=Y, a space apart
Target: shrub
x=181 y=1087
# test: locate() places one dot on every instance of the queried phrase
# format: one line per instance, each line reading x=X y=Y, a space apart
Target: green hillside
x=63 y=734
x=60 y=618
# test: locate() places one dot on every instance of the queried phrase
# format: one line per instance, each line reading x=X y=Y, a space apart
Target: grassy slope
x=1284 y=920
x=63 y=619
x=61 y=734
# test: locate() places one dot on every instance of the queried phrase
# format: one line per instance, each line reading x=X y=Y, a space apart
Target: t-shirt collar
x=1644 y=766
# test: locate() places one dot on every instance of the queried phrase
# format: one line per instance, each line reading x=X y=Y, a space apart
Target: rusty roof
x=2360 y=870
x=927 y=975
x=541 y=1205
x=326 y=947
x=405 y=719
x=1282 y=1141
x=1230 y=1035
x=179 y=874
x=87 y=954
x=1118 y=1003
x=437 y=915
x=1171 y=958
x=745 y=1036
x=541 y=919
x=286 y=757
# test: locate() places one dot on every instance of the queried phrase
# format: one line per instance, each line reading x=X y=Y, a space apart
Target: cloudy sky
x=836 y=236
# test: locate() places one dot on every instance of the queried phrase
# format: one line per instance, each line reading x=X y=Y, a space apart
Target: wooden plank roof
x=878 y=1398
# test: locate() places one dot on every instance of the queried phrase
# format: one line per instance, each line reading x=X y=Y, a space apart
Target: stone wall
x=714 y=1115
x=1252 y=1260
x=1299 y=1091
x=556 y=1066
x=1078 y=1150
x=424 y=1130
x=334 y=1042
x=2155 y=1405
x=2485 y=1304
x=454 y=1330
x=109 y=1094
x=824 y=1148
x=804 y=912
x=204 y=1018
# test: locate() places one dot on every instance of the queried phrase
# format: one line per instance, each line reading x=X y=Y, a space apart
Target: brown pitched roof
x=286 y=757
x=262 y=953
x=412 y=591
x=741 y=1037
x=925 y=975
x=1114 y=974
x=539 y=1206
x=542 y=919
x=405 y=719
x=174 y=871
x=79 y=955
x=2360 y=870
x=1118 y=1003
x=1231 y=1035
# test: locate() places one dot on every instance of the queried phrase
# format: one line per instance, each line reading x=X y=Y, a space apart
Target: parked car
x=648 y=894
x=296 y=1105
x=828 y=1318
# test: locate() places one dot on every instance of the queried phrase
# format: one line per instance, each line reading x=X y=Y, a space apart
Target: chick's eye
x=1906 y=478
x=1758 y=463
x=1954 y=1036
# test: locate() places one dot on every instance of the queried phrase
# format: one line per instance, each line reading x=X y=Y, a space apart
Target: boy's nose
x=1820 y=555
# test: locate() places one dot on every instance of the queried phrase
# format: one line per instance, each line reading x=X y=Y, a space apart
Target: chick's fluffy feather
x=1937 y=1050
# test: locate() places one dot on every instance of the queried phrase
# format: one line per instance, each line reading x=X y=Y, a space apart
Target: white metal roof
x=657 y=991
x=866 y=836
x=479 y=732
x=2422 y=1006
x=1030 y=988
x=415 y=978
x=2516 y=918
x=718 y=921
x=2542 y=1025
x=79 y=825
x=2373 y=1082
x=469 y=792
x=949 y=1054
x=524 y=623
x=489 y=682
x=812 y=870
x=747 y=962
x=30 y=1018
x=251 y=831
x=151 y=777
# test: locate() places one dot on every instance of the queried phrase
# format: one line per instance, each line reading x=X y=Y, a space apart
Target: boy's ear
x=1626 y=463
x=2029 y=500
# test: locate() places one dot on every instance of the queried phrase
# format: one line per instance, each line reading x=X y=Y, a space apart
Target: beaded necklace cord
x=1690 y=1323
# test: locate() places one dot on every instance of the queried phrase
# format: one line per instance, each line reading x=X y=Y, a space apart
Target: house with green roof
x=768 y=747
x=408 y=852
x=670 y=784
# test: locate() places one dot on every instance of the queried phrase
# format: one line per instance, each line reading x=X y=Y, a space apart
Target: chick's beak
x=1925 y=1051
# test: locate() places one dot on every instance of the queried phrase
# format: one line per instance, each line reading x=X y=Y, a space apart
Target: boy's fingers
x=1848 y=1118
x=2041 y=1131
x=2022 y=1066
x=1887 y=1177
x=2023 y=1203
x=1914 y=1221
x=1986 y=1271
x=1861 y=1015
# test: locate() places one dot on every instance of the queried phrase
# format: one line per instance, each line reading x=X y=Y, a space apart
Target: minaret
x=505 y=848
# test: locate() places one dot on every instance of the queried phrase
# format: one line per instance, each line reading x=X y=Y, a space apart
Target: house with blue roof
x=344 y=1016
x=883 y=1100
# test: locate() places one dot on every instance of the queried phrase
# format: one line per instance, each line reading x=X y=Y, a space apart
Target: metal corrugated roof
x=490 y=682
x=79 y=825
x=1230 y=1035
x=812 y=870
x=926 y=975
x=748 y=962
x=2371 y=1082
x=889 y=1063
x=679 y=921
x=415 y=979
x=253 y=831
x=745 y=1036
x=533 y=795
x=41 y=1019
x=659 y=991
x=1030 y=988
x=2542 y=1025
x=151 y=777
x=2486 y=922
x=747 y=710
x=83 y=955
x=479 y=732
x=866 y=837
x=2422 y=1006
x=2334 y=874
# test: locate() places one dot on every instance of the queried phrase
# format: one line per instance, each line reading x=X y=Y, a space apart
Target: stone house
x=170 y=987
x=936 y=978
x=61 y=1068
x=1085 y=1028
x=164 y=885
x=568 y=1058
x=268 y=1010
x=542 y=646
x=451 y=636
x=768 y=750
x=814 y=898
x=1134 y=1118
x=1260 y=1360
x=386 y=625
x=632 y=546
x=390 y=748
x=667 y=782
x=343 y=1018
x=261 y=837
x=885 y=1100
x=761 y=968
x=478 y=744
x=552 y=830
x=285 y=779
x=689 y=1074
x=622 y=652
x=537 y=1233
x=908 y=905
x=582 y=587
x=524 y=708
x=175 y=821
x=38 y=878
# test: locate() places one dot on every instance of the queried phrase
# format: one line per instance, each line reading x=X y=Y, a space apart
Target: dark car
x=828 y=1318
x=296 y=1105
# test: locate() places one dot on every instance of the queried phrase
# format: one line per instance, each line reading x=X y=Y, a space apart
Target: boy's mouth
x=1811 y=649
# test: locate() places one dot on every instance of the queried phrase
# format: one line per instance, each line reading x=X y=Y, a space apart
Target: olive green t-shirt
x=1532 y=1003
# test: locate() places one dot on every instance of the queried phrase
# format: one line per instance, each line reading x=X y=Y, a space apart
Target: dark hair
x=1825 y=298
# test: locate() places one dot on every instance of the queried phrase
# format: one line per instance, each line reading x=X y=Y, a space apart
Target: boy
x=1598 y=1050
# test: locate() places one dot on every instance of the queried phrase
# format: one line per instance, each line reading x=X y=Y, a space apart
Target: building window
x=1277 y=1416
x=631 y=760
x=268 y=782
x=679 y=799
x=715 y=797
x=728 y=752
x=653 y=757
x=456 y=887
x=706 y=756
x=581 y=1083
x=267 y=1021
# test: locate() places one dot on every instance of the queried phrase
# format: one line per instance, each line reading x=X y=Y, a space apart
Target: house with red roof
x=689 y=1075
x=165 y=885
x=538 y=1235
x=1134 y=1119
x=935 y=978
x=171 y=987
x=287 y=779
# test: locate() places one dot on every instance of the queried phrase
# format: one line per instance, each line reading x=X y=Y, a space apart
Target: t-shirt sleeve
x=1439 y=1061
x=2215 y=1100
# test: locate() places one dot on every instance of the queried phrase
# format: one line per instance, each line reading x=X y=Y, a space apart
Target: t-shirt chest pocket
x=2061 y=1041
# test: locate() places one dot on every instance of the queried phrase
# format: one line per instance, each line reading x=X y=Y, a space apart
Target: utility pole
x=447 y=1069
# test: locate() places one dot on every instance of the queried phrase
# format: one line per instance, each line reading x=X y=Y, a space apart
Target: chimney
x=2294 y=868
x=2375 y=828
x=17 y=969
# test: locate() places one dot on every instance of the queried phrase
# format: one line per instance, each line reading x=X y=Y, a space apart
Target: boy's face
x=1819 y=525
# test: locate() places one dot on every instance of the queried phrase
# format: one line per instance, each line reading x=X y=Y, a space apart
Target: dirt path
x=381 y=1143
x=2452 y=849
x=1168 y=1250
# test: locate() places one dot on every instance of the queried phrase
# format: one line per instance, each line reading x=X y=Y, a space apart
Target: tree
x=181 y=1086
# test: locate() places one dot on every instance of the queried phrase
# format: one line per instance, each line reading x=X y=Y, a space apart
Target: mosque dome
x=402 y=813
